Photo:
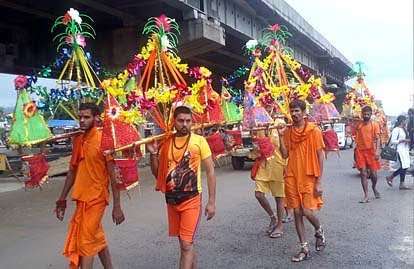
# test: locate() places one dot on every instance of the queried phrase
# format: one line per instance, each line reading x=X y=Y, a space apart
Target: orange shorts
x=304 y=196
x=183 y=218
x=365 y=159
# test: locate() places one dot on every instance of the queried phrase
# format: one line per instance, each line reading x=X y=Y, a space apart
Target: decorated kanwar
x=211 y=130
x=162 y=94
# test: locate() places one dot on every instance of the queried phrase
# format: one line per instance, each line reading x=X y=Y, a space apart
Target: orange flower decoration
x=29 y=109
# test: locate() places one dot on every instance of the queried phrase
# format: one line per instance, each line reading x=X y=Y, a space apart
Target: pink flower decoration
x=274 y=28
x=146 y=104
x=20 y=82
x=195 y=72
x=132 y=99
x=314 y=93
x=80 y=40
x=162 y=21
x=134 y=66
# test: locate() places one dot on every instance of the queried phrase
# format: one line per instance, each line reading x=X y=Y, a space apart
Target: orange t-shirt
x=366 y=134
x=89 y=165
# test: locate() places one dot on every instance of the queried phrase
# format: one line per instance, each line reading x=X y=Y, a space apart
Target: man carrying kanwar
x=305 y=152
x=90 y=174
x=176 y=164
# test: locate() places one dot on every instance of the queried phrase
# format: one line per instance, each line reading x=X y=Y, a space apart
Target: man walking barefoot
x=367 y=138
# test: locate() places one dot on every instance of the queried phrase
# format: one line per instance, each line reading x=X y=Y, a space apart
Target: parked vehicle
x=241 y=155
x=62 y=130
x=344 y=138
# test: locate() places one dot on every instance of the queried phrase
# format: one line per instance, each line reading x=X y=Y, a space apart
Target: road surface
x=374 y=235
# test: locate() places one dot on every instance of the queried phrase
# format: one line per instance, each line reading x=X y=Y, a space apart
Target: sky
x=378 y=33
x=8 y=93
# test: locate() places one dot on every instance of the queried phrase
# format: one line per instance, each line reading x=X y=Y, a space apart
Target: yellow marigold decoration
x=267 y=61
x=250 y=83
x=315 y=81
x=123 y=77
x=115 y=86
x=326 y=98
x=192 y=100
x=291 y=62
x=260 y=64
x=196 y=87
x=205 y=72
x=276 y=91
x=146 y=50
x=303 y=90
x=133 y=116
x=161 y=94
x=176 y=61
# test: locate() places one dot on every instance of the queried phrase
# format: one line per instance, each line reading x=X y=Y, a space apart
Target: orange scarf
x=306 y=135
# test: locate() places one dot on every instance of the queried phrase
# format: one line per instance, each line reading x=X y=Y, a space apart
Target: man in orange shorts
x=90 y=174
x=177 y=167
x=367 y=138
x=305 y=151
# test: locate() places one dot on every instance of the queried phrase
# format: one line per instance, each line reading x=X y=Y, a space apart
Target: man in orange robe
x=89 y=175
x=367 y=138
x=304 y=144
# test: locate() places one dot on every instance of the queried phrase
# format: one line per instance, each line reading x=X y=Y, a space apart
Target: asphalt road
x=374 y=235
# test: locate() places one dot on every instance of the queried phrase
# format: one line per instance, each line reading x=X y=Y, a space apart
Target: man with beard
x=177 y=167
x=304 y=143
x=89 y=174
x=367 y=138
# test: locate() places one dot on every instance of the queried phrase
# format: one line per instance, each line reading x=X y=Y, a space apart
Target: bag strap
x=398 y=137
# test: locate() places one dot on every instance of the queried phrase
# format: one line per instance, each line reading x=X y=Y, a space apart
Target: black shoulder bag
x=390 y=153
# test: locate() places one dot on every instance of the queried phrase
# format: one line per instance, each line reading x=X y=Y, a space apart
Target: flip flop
x=271 y=229
x=389 y=181
x=275 y=234
x=364 y=201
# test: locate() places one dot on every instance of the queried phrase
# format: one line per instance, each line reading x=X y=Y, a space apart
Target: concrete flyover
x=213 y=33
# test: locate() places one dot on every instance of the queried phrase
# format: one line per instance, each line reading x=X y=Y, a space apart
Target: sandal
x=271 y=227
x=364 y=201
x=389 y=181
x=275 y=234
x=303 y=254
x=320 y=242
